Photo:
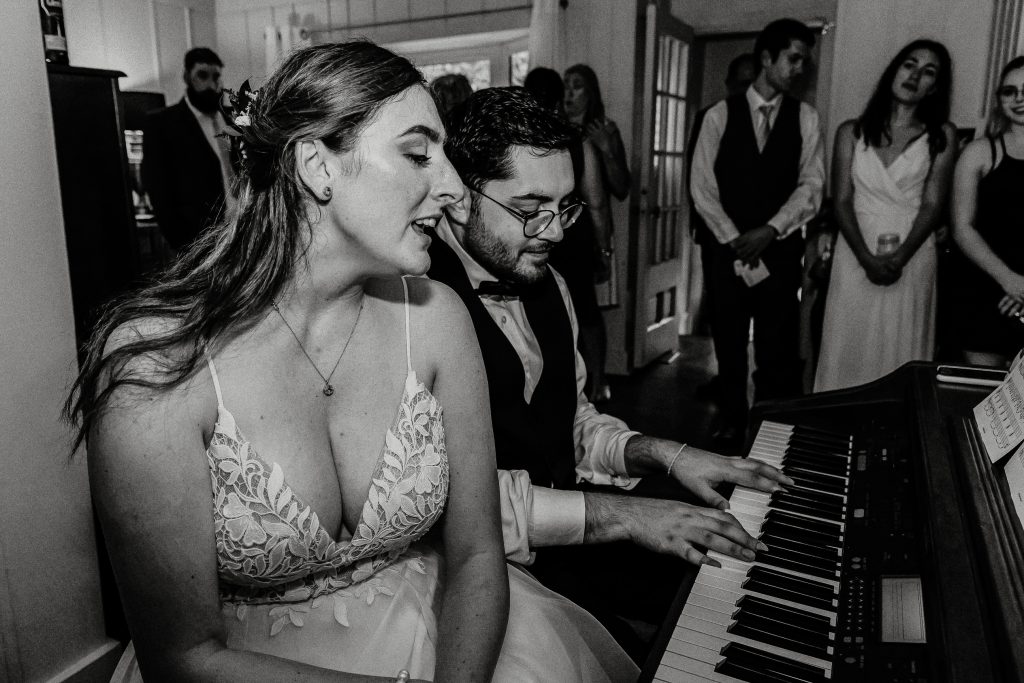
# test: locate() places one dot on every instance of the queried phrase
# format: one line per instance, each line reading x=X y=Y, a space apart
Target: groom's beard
x=206 y=101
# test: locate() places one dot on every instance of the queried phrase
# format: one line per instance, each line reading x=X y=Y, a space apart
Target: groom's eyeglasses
x=536 y=222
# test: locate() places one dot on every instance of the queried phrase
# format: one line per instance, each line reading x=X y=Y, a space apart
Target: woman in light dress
x=890 y=179
x=989 y=228
x=281 y=495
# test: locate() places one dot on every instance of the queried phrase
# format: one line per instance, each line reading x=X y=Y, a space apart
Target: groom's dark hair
x=483 y=129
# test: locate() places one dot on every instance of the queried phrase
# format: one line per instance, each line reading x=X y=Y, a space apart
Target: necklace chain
x=328 y=387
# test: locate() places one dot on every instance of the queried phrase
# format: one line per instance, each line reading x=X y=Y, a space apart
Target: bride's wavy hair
x=237 y=268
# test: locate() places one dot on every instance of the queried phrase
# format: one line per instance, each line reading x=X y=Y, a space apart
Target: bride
x=281 y=493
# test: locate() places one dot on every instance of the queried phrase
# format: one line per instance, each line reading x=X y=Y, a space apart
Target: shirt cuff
x=556 y=517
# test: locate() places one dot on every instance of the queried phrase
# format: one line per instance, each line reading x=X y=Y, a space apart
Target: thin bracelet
x=672 y=462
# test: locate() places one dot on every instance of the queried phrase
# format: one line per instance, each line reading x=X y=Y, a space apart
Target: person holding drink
x=890 y=177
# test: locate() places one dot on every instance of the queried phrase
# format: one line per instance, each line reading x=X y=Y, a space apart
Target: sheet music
x=1000 y=417
x=1014 y=470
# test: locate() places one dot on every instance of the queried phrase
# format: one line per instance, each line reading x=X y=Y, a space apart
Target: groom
x=565 y=467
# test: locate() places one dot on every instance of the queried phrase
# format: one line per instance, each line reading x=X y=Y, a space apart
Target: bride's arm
x=475 y=605
x=150 y=483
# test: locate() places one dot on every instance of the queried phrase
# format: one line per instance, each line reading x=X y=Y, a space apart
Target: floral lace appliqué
x=270 y=545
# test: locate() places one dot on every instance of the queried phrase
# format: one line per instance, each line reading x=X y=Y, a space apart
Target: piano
x=897 y=556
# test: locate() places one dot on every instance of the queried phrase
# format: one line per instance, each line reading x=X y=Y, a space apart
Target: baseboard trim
x=95 y=666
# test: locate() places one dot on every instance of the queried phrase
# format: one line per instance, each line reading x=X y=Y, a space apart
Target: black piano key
x=758 y=605
x=749 y=664
x=832 y=504
x=788 y=587
x=821 y=479
x=821 y=454
x=823 y=445
x=804 y=522
x=811 y=494
x=771 y=632
x=787 y=545
x=830 y=433
x=764 y=631
x=803 y=564
x=800 y=533
x=807 y=508
x=798 y=625
x=811 y=482
x=836 y=466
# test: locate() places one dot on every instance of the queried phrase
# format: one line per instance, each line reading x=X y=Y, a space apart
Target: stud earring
x=327 y=193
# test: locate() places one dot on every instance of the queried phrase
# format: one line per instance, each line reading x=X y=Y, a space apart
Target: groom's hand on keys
x=699 y=471
x=668 y=526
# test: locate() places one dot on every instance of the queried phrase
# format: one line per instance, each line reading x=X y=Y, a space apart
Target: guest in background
x=890 y=178
x=603 y=171
x=758 y=173
x=989 y=228
x=547 y=88
x=450 y=90
x=578 y=257
x=186 y=162
x=740 y=74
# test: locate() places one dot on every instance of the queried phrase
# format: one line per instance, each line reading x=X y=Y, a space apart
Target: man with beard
x=186 y=163
x=572 y=501
x=757 y=178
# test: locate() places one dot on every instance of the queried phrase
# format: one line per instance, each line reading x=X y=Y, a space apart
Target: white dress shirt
x=803 y=203
x=535 y=516
x=213 y=125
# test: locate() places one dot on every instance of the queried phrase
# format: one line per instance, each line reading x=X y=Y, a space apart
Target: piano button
x=755 y=665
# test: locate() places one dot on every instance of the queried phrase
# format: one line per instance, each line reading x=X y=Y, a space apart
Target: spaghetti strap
x=408 y=341
x=1002 y=143
x=992 y=148
x=216 y=382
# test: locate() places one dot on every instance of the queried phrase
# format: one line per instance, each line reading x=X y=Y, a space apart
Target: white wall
x=50 y=615
x=146 y=39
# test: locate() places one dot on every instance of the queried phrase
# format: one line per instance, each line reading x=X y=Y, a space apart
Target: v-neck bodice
x=270 y=544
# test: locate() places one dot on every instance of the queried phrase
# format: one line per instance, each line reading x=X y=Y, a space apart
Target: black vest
x=753 y=185
x=535 y=436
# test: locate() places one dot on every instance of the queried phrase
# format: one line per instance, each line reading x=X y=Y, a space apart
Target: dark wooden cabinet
x=99 y=219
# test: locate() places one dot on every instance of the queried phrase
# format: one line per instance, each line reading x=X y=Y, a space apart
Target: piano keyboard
x=773 y=619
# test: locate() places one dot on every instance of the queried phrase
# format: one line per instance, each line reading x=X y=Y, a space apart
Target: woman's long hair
x=236 y=270
x=932 y=110
x=595 y=105
x=997 y=121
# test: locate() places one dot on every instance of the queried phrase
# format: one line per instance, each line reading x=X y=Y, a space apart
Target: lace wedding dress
x=369 y=603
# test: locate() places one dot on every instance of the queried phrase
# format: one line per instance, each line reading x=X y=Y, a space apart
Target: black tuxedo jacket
x=181 y=173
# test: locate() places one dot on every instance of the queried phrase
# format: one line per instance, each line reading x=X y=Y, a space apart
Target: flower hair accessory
x=237 y=108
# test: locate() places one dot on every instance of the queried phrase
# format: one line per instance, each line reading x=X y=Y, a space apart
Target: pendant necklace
x=328 y=387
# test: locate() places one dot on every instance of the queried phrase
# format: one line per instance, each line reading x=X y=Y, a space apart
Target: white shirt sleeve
x=703 y=184
x=534 y=517
x=804 y=202
x=600 y=439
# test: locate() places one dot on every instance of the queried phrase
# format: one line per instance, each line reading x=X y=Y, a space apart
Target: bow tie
x=498 y=290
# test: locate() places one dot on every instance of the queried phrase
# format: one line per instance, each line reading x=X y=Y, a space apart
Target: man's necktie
x=497 y=290
x=764 y=125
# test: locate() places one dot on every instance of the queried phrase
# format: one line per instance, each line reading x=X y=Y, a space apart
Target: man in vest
x=557 y=454
x=758 y=174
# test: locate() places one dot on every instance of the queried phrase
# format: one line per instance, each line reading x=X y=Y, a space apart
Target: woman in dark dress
x=989 y=228
x=587 y=255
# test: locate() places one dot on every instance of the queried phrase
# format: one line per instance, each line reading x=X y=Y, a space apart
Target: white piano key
x=697 y=613
x=691 y=670
x=726 y=607
x=715 y=630
x=681 y=648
